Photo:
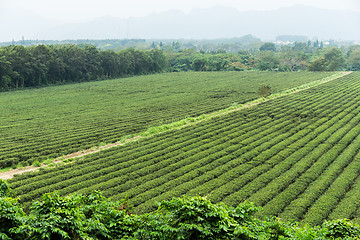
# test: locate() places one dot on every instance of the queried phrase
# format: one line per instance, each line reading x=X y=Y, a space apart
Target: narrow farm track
x=10 y=173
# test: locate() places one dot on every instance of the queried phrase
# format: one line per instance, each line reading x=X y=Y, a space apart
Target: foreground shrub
x=57 y=217
x=12 y=218
x=96 y=217
x=4 y=189
x=198 y=218
x=341 y=229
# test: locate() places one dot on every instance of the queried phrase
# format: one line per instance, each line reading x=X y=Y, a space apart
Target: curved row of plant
x=297 y=156
x=93 y=216
x=46 y=123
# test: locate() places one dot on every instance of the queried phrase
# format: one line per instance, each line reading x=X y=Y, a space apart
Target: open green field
x=297 y=156
x=49 y=122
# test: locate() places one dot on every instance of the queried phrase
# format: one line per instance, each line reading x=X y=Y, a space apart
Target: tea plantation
x=44 y=123
x=297 y=156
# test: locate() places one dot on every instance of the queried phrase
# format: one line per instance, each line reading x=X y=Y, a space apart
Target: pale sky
x=83 y=10
x=35 y=19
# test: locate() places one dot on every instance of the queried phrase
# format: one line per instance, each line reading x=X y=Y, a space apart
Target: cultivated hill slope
x=297 y=156
x=49 y=122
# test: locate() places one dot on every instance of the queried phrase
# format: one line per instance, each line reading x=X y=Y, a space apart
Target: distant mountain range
x=209 y=23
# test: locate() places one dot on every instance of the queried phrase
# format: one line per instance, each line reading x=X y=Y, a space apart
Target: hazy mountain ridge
x=215 y=22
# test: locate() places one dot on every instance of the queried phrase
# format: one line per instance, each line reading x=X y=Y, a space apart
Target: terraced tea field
x=49 y=122
x=297 y=156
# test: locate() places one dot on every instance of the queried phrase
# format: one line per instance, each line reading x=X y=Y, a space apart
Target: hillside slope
x=297 y=156
x=49 y=122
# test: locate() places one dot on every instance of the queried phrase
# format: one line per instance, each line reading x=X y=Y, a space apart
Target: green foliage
x=267 y=61
x=198 y=218
x=265 y=91
x=37 y=164
x=106 y=219
x=288 y=58
x=188 y=60
x=318 y=64
x=354 y=60
x=41 y=65
x=332 y=59
x=57 y=217
x=95 y=217
x=4 y=189
x=340 y=229
x=293 y=60
x=12 y=216
x=79 y=217
x=56 y=64
x=268 y=46
x=277 y=229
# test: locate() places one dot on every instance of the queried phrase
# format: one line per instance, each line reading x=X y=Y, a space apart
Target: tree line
x=57 y=64
x=269 y=57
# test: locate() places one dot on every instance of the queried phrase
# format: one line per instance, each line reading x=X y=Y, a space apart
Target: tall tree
x=110 y=64
x=268 y=46
x=332 y=59
x=41 y=58
x=5 y=70
x=318 y=64
x=20 y=59
x=93 y=70
x=158 y=59
x=354 y=60
x=267 y=60
x=291 y=60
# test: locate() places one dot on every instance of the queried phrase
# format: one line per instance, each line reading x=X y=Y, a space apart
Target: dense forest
x=57 y=64
x=40 y=65
x=268 y=57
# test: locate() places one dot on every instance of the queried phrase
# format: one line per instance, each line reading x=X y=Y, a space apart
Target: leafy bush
x=341 y=229
x=265 y=91
x=11 y=219
x=36 y=163
x=198 y=218
x=4 y=189
x=11 y=215
x=57 y=217
x=96 y=217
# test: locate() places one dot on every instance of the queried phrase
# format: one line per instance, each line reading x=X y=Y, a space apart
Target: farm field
x=297 y=156
x=45 y=123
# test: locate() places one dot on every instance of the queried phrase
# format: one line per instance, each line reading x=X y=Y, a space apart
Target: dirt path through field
x=10 y=174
